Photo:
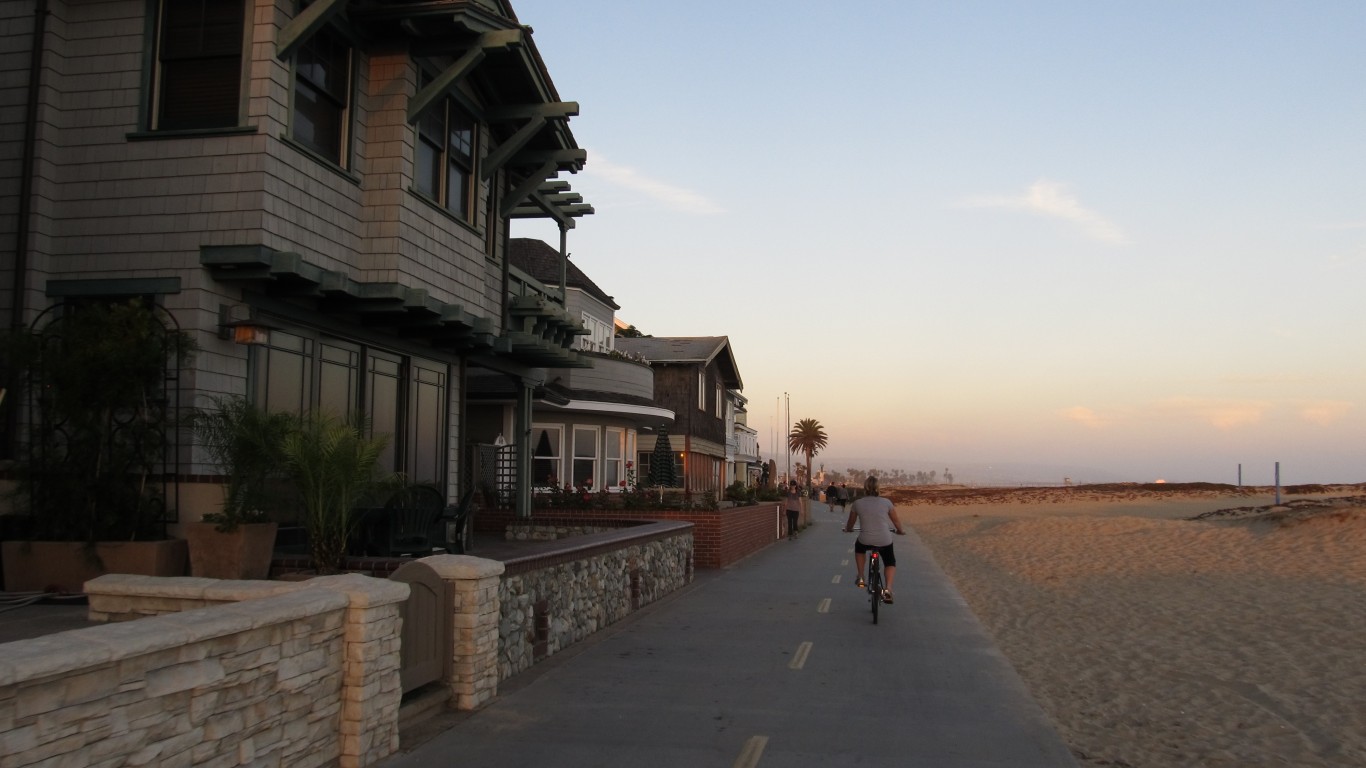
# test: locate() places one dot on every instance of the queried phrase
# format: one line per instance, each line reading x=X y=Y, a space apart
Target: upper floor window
x=599 y=338
x=444 y=167
x=322 y=95
x=701 y=390
x=197 y=81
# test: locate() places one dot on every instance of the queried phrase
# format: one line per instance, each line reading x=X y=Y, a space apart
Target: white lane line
x=844 y=561
x=824 y=607
x=799 y=658
x=835 y=580
x=754 y=749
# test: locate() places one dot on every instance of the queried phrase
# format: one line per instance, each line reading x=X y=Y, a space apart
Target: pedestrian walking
x=794 y=508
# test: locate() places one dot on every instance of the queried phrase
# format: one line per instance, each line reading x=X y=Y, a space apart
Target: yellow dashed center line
x=754 y=749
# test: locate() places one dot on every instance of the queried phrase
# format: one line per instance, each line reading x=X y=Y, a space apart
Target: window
x=197 y=80
x=701 y=390
x=322 y=95
x=585 y=456
x=599 y=338
x=403 y=397
x=444 y=167
x=545 y=457
x=720 y=402
x=614 y=459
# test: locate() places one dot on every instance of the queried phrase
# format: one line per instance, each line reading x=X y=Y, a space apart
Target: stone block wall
x=547 y=606
x=216 y=673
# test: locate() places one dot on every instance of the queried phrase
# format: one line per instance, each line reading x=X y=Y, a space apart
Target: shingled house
x=585 y=422
x=695 y=377
x=335 y=176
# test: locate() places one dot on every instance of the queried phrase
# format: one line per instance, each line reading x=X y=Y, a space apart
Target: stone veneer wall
x=549 y=603
x=296 y=674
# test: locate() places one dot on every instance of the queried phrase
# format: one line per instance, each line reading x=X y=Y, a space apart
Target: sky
x=1108 y=241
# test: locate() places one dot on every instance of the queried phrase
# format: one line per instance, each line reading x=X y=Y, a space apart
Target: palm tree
x=808 y=437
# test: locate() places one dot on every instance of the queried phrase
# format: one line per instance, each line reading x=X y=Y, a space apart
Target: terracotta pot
x=65 y=566
x=243 y=553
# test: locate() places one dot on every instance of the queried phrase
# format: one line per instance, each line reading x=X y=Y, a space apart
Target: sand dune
x=1153 y=639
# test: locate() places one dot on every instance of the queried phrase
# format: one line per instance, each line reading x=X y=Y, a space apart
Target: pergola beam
x=504 y=152
x=451 y=77
x=305 y=25
x=550 y=111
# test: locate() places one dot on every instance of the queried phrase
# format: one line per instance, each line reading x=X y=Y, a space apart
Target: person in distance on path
x=877 y=519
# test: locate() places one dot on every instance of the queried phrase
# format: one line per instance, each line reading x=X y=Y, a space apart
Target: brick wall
x=720 y=537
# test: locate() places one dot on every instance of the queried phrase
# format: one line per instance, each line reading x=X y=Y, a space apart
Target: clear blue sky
x=1112 y=240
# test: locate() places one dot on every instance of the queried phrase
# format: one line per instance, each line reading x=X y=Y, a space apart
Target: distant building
x=697 y=379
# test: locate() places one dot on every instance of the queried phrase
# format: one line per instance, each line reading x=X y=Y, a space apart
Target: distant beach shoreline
x=1171 y=625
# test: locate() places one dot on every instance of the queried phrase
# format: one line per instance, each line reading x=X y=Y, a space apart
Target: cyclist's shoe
x=861 y=584
x=887 y=596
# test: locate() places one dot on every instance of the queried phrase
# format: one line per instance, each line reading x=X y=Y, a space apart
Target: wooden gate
x=426 y=636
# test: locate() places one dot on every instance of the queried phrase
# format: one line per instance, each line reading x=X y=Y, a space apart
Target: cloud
x=1325 y=413
x=1220 y=414
x=674 y=198
x=1085 y=417
x=1054 y=200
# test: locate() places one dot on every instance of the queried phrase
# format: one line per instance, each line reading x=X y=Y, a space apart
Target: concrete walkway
x=771 y=662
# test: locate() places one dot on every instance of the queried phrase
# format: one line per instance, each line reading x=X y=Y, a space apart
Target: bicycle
x=875 y=580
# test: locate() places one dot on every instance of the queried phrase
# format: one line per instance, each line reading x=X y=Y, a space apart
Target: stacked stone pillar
x=472 y=587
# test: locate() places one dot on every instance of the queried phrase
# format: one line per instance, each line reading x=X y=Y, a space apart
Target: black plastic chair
x=456 y=521
x=411 y=514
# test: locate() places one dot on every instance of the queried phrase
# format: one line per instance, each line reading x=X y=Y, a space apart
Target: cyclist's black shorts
x=887 y=552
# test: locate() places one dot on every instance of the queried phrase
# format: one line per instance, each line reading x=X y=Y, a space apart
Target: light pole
x=787 y=418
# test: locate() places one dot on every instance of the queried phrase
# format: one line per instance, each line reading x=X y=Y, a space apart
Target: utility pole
x=787 y=418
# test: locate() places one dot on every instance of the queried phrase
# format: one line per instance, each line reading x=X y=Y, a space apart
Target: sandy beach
x=1171 y=626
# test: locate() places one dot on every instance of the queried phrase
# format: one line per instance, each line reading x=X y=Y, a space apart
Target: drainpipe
x=23 y=222
x=564 y=265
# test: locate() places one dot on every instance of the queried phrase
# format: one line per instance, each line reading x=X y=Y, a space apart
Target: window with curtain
x=585 y=457
x=545 y=456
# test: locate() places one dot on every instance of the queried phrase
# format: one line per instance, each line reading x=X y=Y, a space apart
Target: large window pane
x=585 y=457
x=338 y=378
x=287 y=368
x=382 y=406
x=426 y=422
x=613 y=459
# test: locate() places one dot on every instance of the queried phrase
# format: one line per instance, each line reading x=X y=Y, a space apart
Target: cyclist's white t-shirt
x=875 y=520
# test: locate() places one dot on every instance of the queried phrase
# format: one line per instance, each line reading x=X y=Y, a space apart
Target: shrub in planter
x=247 y=445
x=333 y=464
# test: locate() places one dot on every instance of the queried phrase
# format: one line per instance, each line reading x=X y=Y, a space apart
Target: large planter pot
x=65 y=566
x=243 y=553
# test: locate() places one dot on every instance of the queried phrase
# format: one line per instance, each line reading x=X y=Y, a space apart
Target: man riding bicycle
x=877 y=517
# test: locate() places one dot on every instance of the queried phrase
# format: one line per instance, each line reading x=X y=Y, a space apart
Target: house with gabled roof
x=585 y=421
x=693 y=376
x=319 y=193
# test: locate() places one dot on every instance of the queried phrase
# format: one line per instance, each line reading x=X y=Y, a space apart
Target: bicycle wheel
x=875 y=587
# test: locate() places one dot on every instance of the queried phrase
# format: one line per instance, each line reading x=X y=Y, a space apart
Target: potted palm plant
x=101 y=421
x=247 y=444
x=334 y=468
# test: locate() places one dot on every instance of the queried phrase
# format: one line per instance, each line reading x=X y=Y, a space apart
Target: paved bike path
x=771 y=662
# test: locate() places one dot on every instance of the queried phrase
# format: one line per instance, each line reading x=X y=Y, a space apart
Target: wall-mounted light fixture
x=240 y=323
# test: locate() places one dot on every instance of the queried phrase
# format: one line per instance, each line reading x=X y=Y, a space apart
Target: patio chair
x=456 y=519
x=411 y=516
